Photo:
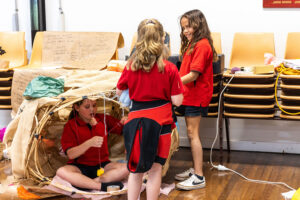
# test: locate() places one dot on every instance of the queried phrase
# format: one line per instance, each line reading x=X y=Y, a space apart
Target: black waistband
x=139 y=105
x=166 y=129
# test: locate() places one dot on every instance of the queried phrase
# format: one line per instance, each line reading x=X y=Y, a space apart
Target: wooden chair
x=292 y=48
x=13 y=43
x=248 y=49
x=36 y=54
x=216 y=36
x=133 y=42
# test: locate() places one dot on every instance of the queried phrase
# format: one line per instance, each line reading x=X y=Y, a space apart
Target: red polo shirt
x=153 y=85
x=199 y=92
x=76 y=131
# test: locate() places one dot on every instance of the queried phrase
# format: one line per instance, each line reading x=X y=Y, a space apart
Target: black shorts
x=191 y=111
x=90 y=171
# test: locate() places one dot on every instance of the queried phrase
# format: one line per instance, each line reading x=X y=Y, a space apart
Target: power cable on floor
x=223 y=168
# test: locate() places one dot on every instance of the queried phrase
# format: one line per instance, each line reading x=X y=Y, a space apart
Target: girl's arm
x=190 y=77
x=115 y=125
x=77 y=151
x=177 y=99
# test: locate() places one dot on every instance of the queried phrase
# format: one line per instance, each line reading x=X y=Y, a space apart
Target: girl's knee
x=121 y=169
x=192 y=133
x=64 y=170
x=156 y=165
x=61 y=171
x=124 y=170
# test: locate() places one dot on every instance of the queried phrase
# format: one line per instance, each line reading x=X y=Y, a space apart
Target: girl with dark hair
x=84 y=141
x=196 y=73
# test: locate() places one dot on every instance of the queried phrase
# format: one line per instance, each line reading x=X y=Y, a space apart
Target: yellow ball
x=296 y=195
x=100 y=171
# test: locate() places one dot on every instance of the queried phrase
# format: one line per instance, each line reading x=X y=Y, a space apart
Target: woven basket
x=174 y=147
x=2 y=147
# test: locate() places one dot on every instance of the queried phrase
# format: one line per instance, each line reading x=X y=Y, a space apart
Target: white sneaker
x=191 y=183
x=184 y=175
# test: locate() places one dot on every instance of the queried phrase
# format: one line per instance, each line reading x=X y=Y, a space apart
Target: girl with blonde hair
x=154 y=85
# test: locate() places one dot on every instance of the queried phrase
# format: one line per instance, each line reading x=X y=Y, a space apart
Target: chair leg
x=227 y=123
x=221 y=135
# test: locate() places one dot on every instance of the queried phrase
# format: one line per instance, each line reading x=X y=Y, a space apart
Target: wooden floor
x=222 y=185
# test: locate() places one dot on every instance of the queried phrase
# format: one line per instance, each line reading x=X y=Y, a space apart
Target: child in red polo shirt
x=196 y=73
x=154 y=85
x=84 y=141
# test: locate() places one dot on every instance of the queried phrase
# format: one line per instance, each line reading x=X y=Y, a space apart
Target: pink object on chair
x=2 y=131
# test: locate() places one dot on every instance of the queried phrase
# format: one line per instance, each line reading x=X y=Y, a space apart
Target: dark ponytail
x=74 y=112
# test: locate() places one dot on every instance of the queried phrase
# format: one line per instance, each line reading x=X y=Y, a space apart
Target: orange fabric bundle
x=24 y=194
x=116 y=65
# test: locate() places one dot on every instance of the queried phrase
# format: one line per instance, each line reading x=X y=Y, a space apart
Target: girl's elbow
x=177 y=101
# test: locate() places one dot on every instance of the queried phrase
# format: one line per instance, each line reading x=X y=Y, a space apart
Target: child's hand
x=124 y=98
x=93 y=121
x=123 y=120
x=96 y=141
x=119 y=92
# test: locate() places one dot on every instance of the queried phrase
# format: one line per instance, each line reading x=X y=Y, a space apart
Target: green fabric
x=44 y=86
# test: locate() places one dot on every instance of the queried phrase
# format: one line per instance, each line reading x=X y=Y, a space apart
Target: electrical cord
x=217 y=124
x=222 y=167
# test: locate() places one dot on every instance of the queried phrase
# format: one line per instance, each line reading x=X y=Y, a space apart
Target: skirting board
x=5 y=117
x=278 y=147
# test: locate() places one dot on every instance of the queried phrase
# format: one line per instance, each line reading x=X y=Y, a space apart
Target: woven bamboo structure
x=44 y=155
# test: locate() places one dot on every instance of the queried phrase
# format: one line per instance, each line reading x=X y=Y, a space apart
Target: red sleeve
x=68 y=138
x=114 y=125
x=176 y=83
x=201 y=54
x=123 y=80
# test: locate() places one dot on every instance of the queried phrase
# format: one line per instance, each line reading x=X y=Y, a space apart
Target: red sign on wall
x=281 y=3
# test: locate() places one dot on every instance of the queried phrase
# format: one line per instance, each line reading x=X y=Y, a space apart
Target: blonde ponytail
x=149 y=46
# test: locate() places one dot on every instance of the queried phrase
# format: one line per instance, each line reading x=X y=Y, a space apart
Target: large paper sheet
x=80 y=50
x=21 y=79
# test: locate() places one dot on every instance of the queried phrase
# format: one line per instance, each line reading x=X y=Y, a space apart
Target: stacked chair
x=250 y=95
x=290 y=84
x=218 y=68
x=13 y=54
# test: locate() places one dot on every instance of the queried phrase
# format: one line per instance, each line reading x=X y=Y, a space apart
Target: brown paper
x=21 y=79
x=80 y=50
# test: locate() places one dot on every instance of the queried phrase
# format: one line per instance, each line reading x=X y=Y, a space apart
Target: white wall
x=7 y=10
x=227 y=17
